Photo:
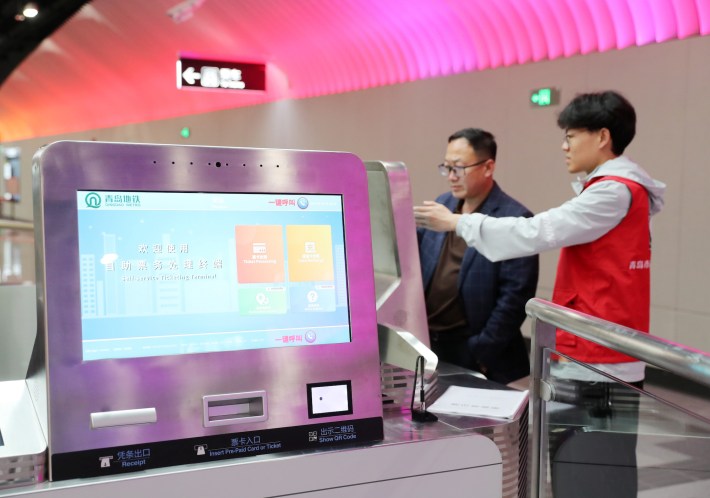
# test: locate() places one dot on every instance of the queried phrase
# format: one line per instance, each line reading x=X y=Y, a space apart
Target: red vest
x=608 y=278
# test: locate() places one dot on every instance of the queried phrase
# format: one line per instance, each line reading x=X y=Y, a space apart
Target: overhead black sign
x=224 y=75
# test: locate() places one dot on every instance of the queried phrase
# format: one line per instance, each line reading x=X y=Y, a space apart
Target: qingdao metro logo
x=93 y=200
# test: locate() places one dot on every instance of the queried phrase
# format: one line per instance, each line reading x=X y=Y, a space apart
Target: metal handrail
x=676 y=358
x=547 y=317
x=16 y=224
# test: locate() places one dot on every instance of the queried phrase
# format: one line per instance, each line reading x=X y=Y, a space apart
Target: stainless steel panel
x=398 y=275
x=509 y=435
x=411 y=450
x=401 y=311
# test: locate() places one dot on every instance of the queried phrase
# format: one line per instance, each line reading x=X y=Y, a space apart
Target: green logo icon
x=93 y=200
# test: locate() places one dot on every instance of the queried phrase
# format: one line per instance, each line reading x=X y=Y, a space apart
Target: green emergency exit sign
x=544 y=97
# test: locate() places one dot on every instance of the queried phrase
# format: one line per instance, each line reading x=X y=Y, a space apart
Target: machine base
x=124 y=459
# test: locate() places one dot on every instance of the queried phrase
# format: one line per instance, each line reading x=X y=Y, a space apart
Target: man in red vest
x=604 y=264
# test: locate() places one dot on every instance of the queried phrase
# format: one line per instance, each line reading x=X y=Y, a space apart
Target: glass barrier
x=603 y=437
x=17 y=259
x=594 y=435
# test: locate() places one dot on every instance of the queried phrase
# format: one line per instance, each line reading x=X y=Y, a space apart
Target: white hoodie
x=587 y=217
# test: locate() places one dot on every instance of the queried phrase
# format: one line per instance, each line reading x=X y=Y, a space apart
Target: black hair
x=482 y=142
x=594 y=111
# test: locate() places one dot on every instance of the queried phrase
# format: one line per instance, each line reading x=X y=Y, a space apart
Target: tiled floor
x=674 y=462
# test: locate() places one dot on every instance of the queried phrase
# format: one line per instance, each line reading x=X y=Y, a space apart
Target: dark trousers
x=592 y=443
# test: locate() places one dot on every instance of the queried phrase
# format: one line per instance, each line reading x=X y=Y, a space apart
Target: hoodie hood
x=623 y=167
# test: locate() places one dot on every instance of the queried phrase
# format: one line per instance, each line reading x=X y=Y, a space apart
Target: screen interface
x=165 y=273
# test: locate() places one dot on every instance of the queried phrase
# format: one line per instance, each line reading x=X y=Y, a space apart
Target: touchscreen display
x=165 y=273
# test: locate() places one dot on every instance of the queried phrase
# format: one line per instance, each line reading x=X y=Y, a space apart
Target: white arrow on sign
x=190 y=75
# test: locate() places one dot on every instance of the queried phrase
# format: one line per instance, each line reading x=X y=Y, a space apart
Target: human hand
x=434 y=216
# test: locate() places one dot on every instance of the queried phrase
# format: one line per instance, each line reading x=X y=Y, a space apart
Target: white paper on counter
x=479 y=402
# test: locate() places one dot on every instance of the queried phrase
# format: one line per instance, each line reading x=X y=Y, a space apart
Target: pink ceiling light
x=113 y=63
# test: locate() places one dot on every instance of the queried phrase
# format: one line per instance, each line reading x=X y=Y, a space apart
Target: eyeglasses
x=572 y=135
x=569 y=138
x=446 y=170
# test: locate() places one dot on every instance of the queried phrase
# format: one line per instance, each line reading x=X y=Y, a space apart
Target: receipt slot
x=201 y=303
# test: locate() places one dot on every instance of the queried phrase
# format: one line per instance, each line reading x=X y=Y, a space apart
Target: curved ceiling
x=114 y=62
x=20 y=35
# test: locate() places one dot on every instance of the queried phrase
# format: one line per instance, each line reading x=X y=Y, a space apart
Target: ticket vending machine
x=199 y=304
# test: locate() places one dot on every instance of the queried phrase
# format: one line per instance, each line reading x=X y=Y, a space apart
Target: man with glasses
x=603 y=270
x=475 y=307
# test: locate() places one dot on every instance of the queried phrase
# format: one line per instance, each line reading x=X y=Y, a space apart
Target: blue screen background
x=159 y=282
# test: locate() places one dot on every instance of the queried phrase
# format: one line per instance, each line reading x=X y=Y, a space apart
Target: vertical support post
x=543 y=337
